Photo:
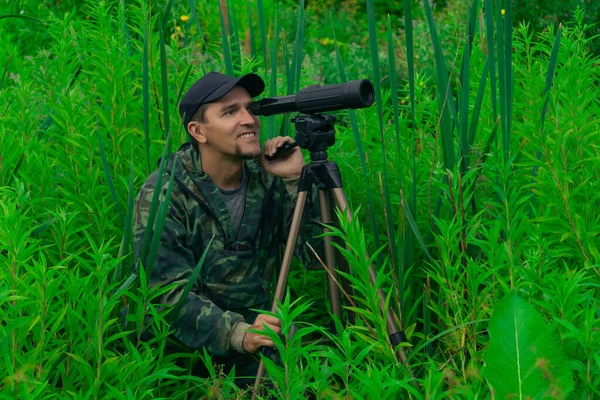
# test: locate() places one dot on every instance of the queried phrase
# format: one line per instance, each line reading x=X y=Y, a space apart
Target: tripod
x=316 y=133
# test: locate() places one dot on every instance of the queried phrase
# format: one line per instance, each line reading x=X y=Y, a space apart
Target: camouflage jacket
x=237 y=271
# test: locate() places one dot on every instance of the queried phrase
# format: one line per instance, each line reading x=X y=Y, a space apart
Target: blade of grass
x=252 y=34
x=225 y=44
x=409 y=247
x=4 y=72
x=123 y=26
x=292 y=68
x=359 y=145
x=159 y=225
x=263 y=32
x=154 y=203
x=475 y=119
x=376 y=78
x=489 y=21
x=200 y=30
x=509 y=74
x=272 y=120
x=465 y=85
x=289 y=72
x=427 y=314
x=146 y=95
x=165 y=83
x=393 y=82
x=470 y=31
x=297 y=61
x=42 y=227
x=464 y=107
x=445 y=99
x=399 y=266
x=180 y=94
x=236 y=55
x=125 y=243
x=502 y=67
x=188 y=287
x=478 y=103
x=414 y=226
x=23 y=17
x=546 y=95
x=167 y=12
x=128 y=282
x=109 y=180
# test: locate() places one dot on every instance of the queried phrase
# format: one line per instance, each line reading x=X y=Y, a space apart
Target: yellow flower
x=502 y=11
x=178 y=28
x=184 y=18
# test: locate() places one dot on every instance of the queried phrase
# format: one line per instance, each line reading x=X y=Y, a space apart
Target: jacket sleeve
x=309 y=230
x=200 y=322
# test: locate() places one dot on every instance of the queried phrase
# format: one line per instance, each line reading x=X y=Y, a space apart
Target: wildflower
x=502 y=11
x=184 y=18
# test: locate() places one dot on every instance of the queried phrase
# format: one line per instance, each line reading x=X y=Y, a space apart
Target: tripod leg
x=396 y=337
x=283 y=275
x=334 y=293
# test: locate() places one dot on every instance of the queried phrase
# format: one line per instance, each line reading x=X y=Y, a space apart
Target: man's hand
x=254 y=341
x=288 y=167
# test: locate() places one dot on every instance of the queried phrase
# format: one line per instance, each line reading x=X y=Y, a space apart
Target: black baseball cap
x=213 y=86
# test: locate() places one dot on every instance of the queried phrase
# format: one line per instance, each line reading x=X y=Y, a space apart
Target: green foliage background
x=463 y=191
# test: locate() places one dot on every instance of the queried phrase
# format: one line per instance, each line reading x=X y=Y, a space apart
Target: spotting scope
x=316 y=99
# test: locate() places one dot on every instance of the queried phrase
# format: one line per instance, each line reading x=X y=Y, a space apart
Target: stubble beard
x=248 y=155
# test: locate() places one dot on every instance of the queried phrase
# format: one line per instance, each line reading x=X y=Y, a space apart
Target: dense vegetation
x=472 y=180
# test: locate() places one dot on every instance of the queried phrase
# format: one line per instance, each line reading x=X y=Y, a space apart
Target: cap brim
x=251 y=82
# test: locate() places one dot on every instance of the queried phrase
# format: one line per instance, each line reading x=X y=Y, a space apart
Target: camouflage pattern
x=237 y=272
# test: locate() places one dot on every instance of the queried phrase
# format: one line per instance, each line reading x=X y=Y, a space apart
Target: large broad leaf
x=523 y=359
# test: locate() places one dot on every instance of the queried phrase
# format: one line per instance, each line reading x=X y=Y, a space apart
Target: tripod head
x=315 y=133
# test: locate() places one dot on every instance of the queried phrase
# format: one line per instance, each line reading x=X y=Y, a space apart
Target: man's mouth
x=247 y=135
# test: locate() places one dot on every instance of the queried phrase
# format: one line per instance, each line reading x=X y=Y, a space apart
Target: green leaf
x=523 y=358
x=4 y=72
x=225 y=43
x=109 y=180
x=24 y=17
x=146 y=94
x=191 y=282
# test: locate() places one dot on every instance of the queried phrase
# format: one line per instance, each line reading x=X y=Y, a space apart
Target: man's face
x=229 y=128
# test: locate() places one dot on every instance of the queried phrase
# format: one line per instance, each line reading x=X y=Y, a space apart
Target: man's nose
x=247 y=118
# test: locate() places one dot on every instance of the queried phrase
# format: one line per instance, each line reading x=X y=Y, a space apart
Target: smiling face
x=228 y=129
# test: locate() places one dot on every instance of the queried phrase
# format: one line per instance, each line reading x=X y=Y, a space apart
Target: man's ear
x=196 y=130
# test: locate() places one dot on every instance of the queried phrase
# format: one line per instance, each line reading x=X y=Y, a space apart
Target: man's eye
x=229 y=112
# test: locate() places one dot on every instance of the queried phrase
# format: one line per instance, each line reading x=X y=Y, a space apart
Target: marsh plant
x=473 y=183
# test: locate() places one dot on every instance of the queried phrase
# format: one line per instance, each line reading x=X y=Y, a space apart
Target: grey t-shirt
x=236 y=202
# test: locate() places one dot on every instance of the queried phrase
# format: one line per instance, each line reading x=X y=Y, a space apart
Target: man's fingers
x=271 y=320
x=267 y=343
x=275 y=329
x=272 y=145
x=272 y=327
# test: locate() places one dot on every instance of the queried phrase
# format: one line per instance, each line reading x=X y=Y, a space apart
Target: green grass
x=473 y=175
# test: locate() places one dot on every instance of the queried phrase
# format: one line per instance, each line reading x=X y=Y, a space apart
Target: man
x=226 y=191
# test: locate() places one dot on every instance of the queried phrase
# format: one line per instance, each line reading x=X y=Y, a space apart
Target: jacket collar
x=186 y=164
